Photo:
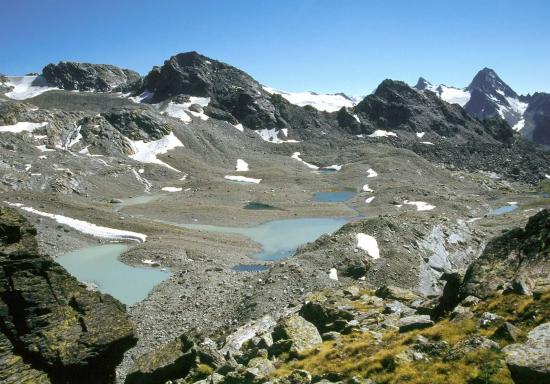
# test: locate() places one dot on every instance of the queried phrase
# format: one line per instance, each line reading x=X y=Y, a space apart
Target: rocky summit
x=194 y=225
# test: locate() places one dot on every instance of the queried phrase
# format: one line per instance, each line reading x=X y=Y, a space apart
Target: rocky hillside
x=492 y=333
x=52 y=329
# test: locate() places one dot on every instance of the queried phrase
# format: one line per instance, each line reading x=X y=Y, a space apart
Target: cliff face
x=51 y=328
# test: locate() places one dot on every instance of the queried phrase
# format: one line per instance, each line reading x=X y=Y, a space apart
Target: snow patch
x=239 y=127
x=85 y=227
x=22 y=126
x=172 y=189
x=334 y=167
x=25 y=87
x=242 y=166
x=382 y=133
x=272 y=136
x=369 y=244
x=43 y=148
x=371 y=173
x=296 y=156
x=243 y=179
x=420 y=205
x=427 y=143
x=333 y=274
x=146 y=183
x=321 y=102
x=147 y=152
x=420 y=134
x=366 y=188
x=369 y=200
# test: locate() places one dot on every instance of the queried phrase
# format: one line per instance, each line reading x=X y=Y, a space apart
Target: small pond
x=503 y=209
x=333 y=197
x=259 y=206
x=280 y=238
x=100 y=265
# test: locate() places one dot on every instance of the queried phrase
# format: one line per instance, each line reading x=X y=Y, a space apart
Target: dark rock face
x=396 y=106
x=234 y=95
x=138 y=124
x=519 y=254
x=537 y=118
x=89 y=77
x=489 y=94
x=51 y=328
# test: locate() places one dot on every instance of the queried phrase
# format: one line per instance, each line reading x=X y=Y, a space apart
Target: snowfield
x=147 y=152
x=172 y=189
x=25 y=87
x=321 y=102
x=84 y=226
x=371 y=173
x=243 y=179
x=296 y=156
x=369 y=244
x=22 y=126
x=420 y=205
x=382 y=133
x=366 y=188
x=242 y=166
x=272 y=136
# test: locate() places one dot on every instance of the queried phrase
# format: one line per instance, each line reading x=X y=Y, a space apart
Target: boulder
x=325 y=316
x=489 y=320
x=410 y=323
x=396 y=293
x=508 y=332
x=529 y=363
x=299 y=331
x=475 y=343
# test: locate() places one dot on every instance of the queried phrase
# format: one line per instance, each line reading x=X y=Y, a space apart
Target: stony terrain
x=148 y=155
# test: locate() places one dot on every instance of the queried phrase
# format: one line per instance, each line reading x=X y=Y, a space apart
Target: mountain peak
x=422 y=84
x=487 y=81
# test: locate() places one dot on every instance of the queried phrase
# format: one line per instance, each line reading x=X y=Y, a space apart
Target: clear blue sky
x=295 y=45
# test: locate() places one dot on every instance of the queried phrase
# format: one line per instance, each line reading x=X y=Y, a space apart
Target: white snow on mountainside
x=451 y=95
x=322 y=102
x=25 y=87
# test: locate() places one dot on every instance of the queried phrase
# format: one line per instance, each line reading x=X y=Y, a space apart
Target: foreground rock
x=53 y=329
x=300 y=334
x=530 y=362
x=516 y=261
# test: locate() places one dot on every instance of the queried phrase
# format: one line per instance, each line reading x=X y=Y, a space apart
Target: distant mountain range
x=488 y=96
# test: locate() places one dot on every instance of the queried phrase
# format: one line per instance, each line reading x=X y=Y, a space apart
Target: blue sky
x=295 y=45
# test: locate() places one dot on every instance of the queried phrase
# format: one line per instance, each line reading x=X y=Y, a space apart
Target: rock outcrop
x=395 y=106
x=519 y=260
x=529 y=362
x=234 y=95
x=89 y=77
x=51 y=328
